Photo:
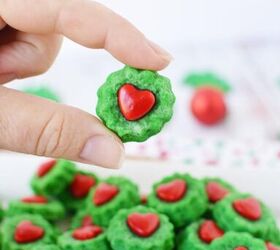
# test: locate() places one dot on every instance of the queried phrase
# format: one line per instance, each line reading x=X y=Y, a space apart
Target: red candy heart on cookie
x=270 y=246
x=104 y=193
x=135 y=103
x=81 y=185
x=35 y=199
x=143 y=225
x=215 y=191
x=45 y=168
x=241 y=248
x=209 y=231
x=87 y=232
x=26 y=232
x=248 y=208
x=172 y=191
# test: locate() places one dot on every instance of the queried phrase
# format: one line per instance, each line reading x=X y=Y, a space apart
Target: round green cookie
x=67 y=241
x=190 y=238
x=255 y=219
x=54 y=180
x=82 y=218
x=132 y=124
x=188 y=208
x=14 y=225
x=110 y=196
x=233 y=240
x=74 y=196
x=46 y=247
x=44 y=92
x=123 y=235
x=48 y=209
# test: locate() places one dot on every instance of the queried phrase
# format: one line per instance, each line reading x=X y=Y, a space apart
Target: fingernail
x=103 y=151
x=160 y=51
x=7 y=78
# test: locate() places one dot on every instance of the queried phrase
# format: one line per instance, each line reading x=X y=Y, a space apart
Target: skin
x=31 y=33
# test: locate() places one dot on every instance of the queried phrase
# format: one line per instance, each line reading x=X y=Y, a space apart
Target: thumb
x=33 y=125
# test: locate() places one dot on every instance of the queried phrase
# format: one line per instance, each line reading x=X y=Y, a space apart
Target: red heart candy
x=270 y=246
x=26 y=232
x=87 y=232
x=215 y=191
x=143 y=225
x=81 y=185
x=241 y=248
x=209 y=231
x=87 y=221
x=104 y=193
x=135 y=103
x=172 y=191
x=45 y=168
x=35 y=199
x=248 y=208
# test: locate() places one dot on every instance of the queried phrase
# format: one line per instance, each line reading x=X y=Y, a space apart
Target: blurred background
x=236 y=41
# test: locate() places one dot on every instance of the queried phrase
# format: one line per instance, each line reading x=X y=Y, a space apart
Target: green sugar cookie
x=199 y=235
x=53 y=177
x=110 y=196
x=22 y=232
x=82 y=218
x=181 y=197
x=243 y=213
x=135 y=104
x=238 y=241
x=45 y=247
x=44 y=92
x=140 y=228
x=84 y=238
x=48 y=209
x=74 y=196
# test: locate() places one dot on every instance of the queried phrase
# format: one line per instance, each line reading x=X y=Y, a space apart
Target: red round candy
x=209 y=231
x=35 y=199
x=81 y=185
x=270 y=246
x=87 y=232
x=215 y=191
x=104 y=193
x=172 y=191
x=87 y=221
x=208 y=105
x=135 y=103
x=143 y=225
x=248 y=208
x=241 y=248
x=45 y=168
x=26 y=232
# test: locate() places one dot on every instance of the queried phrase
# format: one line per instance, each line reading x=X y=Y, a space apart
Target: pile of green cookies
x=181 y=213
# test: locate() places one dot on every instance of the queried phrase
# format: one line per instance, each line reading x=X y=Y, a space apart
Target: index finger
x=88 y=23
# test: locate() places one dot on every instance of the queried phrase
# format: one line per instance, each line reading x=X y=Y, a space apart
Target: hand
x=31 y=33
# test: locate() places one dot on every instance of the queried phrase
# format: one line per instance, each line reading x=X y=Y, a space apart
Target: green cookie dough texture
x=9 y=227
x=229 y=220
x=189 y=239
x=56 y=180
x=109 y=112
x=44 y=92
x=53 y=210
x=45 y=247
x=127 y=197
x=122 y=238
x=232 y=240
x=72 y=203
x=79 y=217
x=2 y=212
x=67 y=242
x=189 y=209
